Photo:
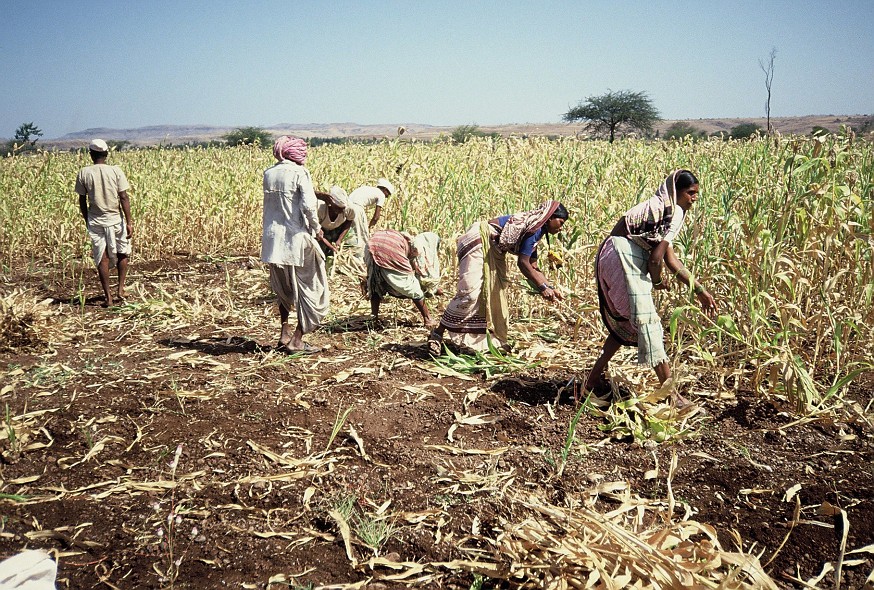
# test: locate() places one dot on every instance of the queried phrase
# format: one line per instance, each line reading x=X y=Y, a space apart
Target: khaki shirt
x=102 y=183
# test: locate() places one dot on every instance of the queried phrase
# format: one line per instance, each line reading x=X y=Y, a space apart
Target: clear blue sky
x=72 y=65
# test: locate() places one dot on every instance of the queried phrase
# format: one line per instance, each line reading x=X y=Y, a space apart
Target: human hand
x=662 y=284
x=130 y=230
x=708 y=304
x=551 y=294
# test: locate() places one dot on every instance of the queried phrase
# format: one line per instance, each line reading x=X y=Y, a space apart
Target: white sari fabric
x=479 y=311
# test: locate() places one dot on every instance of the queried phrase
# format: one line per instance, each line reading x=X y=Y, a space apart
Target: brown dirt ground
x=104 y=397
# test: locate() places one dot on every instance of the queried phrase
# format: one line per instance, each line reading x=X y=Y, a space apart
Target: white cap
x=382 y=182
x=98 y=145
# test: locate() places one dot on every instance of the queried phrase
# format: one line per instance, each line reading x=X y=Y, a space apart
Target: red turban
x=290 y=148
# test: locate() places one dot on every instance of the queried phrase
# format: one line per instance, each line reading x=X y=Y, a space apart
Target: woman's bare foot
x=435 y=343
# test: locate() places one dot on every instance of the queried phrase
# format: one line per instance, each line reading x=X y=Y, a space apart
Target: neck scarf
x=290 y=148
x=649 y=222
x=524 y=224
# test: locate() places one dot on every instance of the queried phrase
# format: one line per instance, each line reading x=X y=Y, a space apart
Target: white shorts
x=110 y=240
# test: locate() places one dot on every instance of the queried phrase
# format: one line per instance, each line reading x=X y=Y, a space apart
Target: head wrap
x=384 y=183
x=338 y=198
x=98 y=145
x=290 y=148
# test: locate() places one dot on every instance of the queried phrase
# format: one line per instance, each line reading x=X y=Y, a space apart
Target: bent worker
x=373 y=197
x=631 y=263
x=479 y=311
x=337 y=215
x=402 y=266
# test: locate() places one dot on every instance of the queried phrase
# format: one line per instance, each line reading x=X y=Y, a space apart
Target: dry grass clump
x=18 y=319
x=558 y=547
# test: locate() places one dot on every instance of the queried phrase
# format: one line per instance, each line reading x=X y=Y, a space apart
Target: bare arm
x=376 y=216
x=655 y=264
x=344 y=229
x=708 y=303
x=124 y=201
x=529 y=269
x=83 y=207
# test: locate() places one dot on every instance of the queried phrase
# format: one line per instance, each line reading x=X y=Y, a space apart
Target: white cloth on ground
x=29 y=570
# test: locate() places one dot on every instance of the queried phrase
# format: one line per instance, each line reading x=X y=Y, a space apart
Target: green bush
x=679 y=130
x=745 y=130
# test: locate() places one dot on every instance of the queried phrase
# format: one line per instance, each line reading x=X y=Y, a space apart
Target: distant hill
x=180 y=134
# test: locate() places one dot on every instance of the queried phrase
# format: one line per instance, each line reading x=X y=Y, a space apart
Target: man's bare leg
x=121 y=267
x=663 y=372
x=426 y=316
x=296 y=339
x=596 y=375
x=287 y=335
x=103 y=274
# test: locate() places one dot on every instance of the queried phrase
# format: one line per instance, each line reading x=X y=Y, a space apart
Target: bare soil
x=101 y=399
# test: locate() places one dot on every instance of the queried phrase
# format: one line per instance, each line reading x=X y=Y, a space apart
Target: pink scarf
x=290 y=148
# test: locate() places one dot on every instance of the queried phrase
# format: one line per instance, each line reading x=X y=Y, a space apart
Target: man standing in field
x=105 y=206
x=289 y=246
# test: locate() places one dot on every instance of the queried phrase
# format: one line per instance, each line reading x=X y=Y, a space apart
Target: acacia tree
x=768 y=69
x=248 y=136
x=614 y=112
x=28 y=133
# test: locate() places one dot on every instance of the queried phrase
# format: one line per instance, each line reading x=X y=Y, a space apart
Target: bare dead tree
x=768 y=68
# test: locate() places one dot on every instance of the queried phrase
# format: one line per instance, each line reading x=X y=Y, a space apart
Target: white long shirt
x=290 y=214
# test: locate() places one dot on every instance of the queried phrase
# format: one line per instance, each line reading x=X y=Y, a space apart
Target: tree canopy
x=248 y=136
x=615 y=112
x=28 y=133
x=745 y=130
x=25 y=139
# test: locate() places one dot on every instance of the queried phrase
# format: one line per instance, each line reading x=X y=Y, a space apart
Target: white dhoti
x=110 y=240
x=304 y=288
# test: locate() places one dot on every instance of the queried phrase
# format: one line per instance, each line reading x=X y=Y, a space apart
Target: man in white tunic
x=372 y=196
x=289 y=244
